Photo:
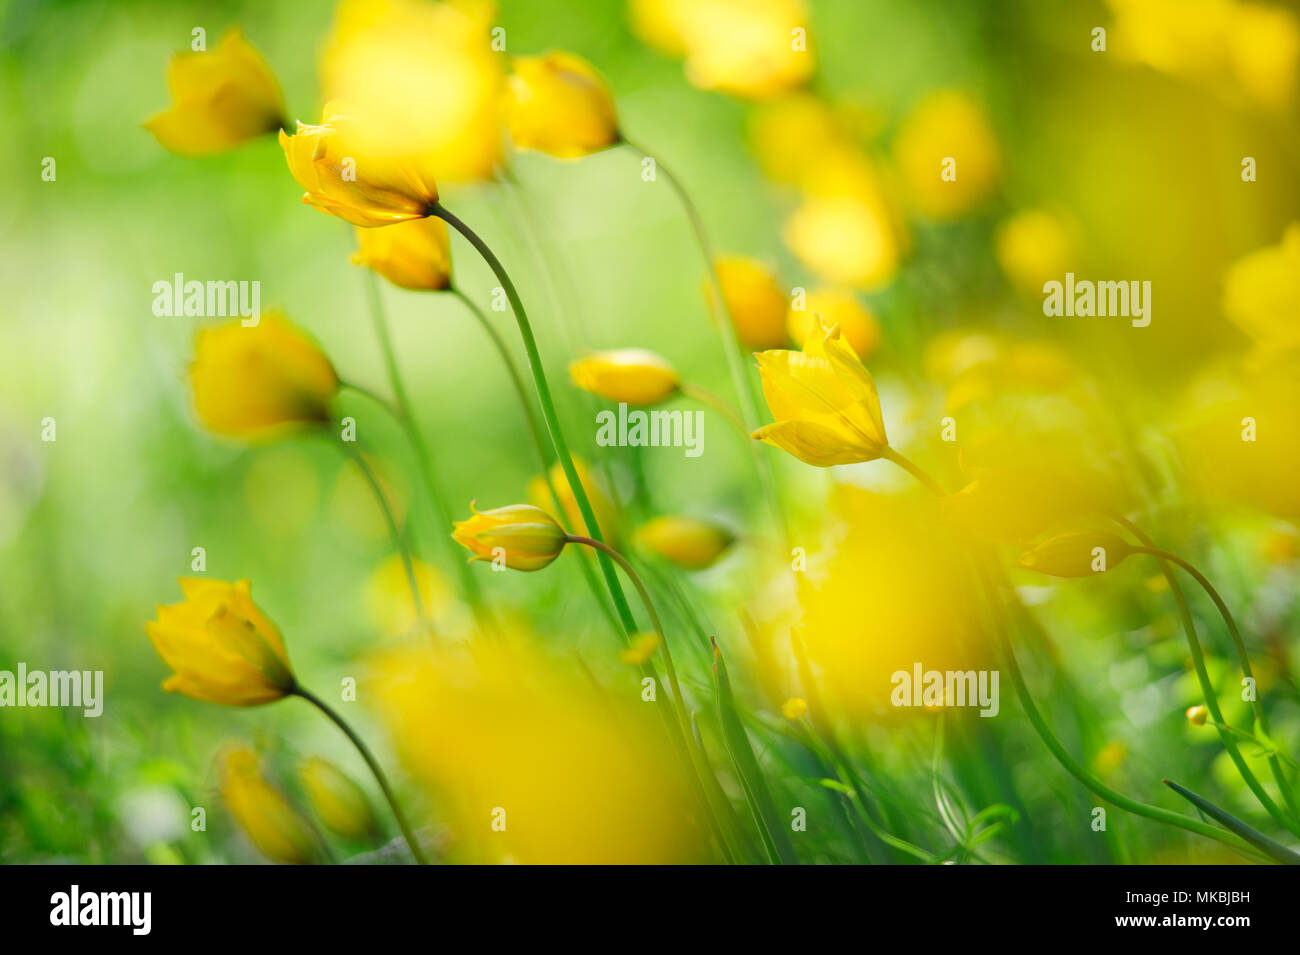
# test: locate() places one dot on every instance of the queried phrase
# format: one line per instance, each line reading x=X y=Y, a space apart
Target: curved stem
x=405 y=417
x=889 y=454
x=1211 y=701
x=730 y=343
x=374 y=768
x=708 y=398
x=399 y=542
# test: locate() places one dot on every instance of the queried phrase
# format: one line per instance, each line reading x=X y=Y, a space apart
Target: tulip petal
x=814 y=443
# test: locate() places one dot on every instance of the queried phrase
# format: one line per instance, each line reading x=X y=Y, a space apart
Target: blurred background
x=1122 y=164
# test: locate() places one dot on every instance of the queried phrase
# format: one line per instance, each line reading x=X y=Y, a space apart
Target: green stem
x=708 y=398
x=730 y=342
x=364 y=750
x=1274 y=850
x=1211 y=698
x=394 y=532
x=405 y=417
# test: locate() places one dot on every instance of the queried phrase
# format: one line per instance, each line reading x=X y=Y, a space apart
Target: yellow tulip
x=268 y=819
x=754 y=300
x=824 y=401
x=845 y=239
x=1079 y=554
x=523 y=536
x=340 y=178
x=336 y=799
x=601 y=505
x=259 y=381
x=222 y=648
x=415 y=255
x=947 y=125
x=219 y=99
x=836 y=307
x=631 y=375
x=685 y=541
x=557 y=103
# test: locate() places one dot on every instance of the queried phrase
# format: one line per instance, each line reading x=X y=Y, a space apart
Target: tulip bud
x=631 y=375
x=559 y=104
x=268 y=819
x=754 y=300
x=1197 y=715
x=1079 y=554
x=523 y=536
x=686 y=541
x=413 y=255
x=336 y=799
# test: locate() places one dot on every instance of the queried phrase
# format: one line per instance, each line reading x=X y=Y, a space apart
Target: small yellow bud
x=1197 y=715
x=261 y=381
x=642 y=649
x=414 y=255
x=794 y=708
x=222 y=648
x=559 y=104
x=1076 y=555
x=268 y=819
x=631 y=375
x=686 y=541
x=754 y=300
x=523 y=536
x=337 y=800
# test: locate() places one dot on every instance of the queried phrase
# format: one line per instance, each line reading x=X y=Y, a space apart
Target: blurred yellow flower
x=257 y=382
x=219 y=99
x=688 y=542
x=1033 y=247
x=388 y=594
x=367 y=189
x=268 y=819
x=1078 y=554
x=824 y=401
x=794 y=708
x=790 y=134
x=424 y=79
x=1197 y=715
x=221 y=647
x=845 y=239
x=631 y=375
x=601 y=504
x=338 y=801
x=642 y=649
x=1261 y=292
x=414 y=255
x=523 y=537
x=1264 y=50
x=557 y=103
x=836 y=307
x=754 y=300
x=528 y=762
x=755 y=49
x=1110 y=758
x=947 y=155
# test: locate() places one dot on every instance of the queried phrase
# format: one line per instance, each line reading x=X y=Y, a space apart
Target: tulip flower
x=631 y=375
x=222 y=648
x=336 y=799
x=754 y=300
x=559 y=104
x=836 y=307
x=413 y=255
x=525 y=537
x=688 y=542
x=330 y=162
x=825 y=403
x=1079 y=554
x=268 y=819
x=257 y=382
x=220 y=99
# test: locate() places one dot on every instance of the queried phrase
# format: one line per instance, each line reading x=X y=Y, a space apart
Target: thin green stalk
x=373 y=763
x=1211 y=698
x=708 y=398
x=394 y=532
x=1274 y=850
x=730 y=343
x=405 y=417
